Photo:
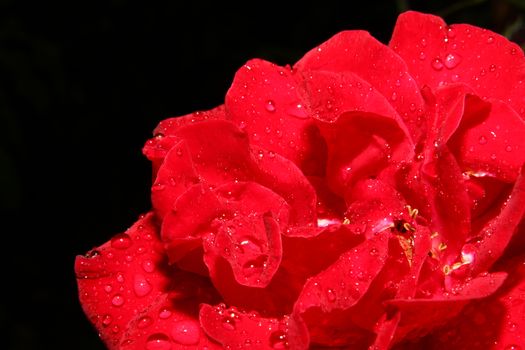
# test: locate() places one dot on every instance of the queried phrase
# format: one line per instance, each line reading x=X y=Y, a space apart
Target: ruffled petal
x=165 y=138
x=363 y=145
x=359 y=53
x=122 y=278
x=489 y=140
x=438 y=54
x=266 y=101
x=234 y=329
x=496 y=322
x=327 y=298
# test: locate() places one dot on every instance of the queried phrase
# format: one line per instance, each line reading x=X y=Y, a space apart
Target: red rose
x=370 y=196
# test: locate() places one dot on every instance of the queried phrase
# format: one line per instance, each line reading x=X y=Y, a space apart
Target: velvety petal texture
x=369 y=196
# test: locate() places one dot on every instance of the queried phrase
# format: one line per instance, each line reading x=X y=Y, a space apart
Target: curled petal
x=267 y=102
x=359 y=53
x=438 y=54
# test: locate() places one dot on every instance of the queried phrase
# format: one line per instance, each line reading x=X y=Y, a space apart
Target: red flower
x=370 y=196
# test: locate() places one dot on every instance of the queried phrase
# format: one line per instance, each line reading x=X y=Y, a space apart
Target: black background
x=83 y=84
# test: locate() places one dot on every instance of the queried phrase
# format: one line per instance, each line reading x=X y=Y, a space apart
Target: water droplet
x=158 y=187
x=228 y=323
x=394 y=96
x=270 y=106
x=121 y=241
x=513 y=347
x=271 y=154
x=330 y=295
x=108 y=288
x=451 y=33
x=158 y=341
x=508 y=148
x=437 y=64
x=148 y=266
x=141 y=286
x=490 y=39
x=297 y=110
x=493 y=156
x=278 y=340
x=186 y=332
x=482 y=140
x=144 y=322
x=120 y=277
x=452 y=60
x=422 y=56
x=118 y=300
x=374 y=251
x=455 y=78
x=106 y=320
x=164 y=313
x=513 y=327
x=423 y=42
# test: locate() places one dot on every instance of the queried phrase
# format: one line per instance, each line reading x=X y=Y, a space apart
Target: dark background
x=83 y=84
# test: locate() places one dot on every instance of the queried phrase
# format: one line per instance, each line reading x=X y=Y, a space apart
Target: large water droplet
x=141 y=286
x=185 y=332
x=121 y=241
x=452 y=60
x=118 y=300
x=269 y=106
x=158 y=341
x=278 y=340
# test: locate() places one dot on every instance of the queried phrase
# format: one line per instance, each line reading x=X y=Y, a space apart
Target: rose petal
x=121 y=278
x=420 y=316
x=172 y=321
x=497 y=233
x=362 y=145
x=327 y=299
x=488 y=139
x=438 y=54
x=494 y=322
x=266 y=101
x=248 y=236
x=234 y=329
x=165 y=138
x=359 y=53
x=174 y=177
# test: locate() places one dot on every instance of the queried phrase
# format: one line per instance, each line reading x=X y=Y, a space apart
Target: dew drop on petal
x=330 y=295
x=141 y=286
x=513 y=347
x=270 y=106
x=482 y=140
x=121 y=241
x=422 y=56
x=186 y=332
x=148 y=266
x=165 y=313
x=144 y=322
x=490 y=39
x=118 y=300
x=452 y=60
x=374 y=252
x=158 y=341
x=106 y=320
x=437 y=64
x=278 y=340
x=508 y=148
x=228 y=323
